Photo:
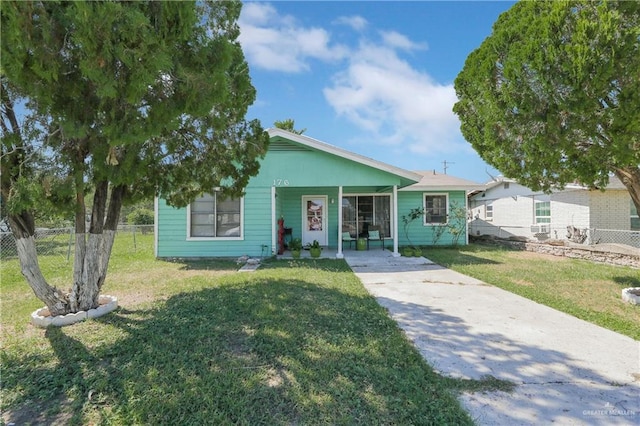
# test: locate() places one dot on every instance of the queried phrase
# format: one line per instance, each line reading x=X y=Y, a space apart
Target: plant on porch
x=296 y=247
x=314 y=249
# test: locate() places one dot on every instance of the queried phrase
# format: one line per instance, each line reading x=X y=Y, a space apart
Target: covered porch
x=330 y=214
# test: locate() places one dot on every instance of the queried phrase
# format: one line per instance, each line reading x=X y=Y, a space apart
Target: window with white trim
x=543 y=211
x=436 y=208
x=488 y=212
x=213 y=216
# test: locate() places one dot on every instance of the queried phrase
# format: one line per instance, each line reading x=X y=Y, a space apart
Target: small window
x=436 y=208
x=505 y=185
x=543 y=211
x=212 y=216
x=488 y=213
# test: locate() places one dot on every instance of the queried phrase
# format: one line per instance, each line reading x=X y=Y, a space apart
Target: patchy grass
x=296 y=342
x=584 y=289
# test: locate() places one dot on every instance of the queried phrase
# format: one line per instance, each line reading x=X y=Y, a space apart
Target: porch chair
x=346 y=236
x=374 y=235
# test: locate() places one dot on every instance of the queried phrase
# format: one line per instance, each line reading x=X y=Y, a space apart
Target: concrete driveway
x=567 y=371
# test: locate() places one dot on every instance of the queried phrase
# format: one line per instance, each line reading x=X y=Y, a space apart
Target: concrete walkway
x=567 y=371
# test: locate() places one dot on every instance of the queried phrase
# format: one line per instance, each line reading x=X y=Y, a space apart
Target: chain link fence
x=545 y=232
x=55 y=247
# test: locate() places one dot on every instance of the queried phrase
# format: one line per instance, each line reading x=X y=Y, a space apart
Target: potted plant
x=295 y=245
x=314 y=249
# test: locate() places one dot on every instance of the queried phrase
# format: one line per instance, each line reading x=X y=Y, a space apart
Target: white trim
x=396 y=253
x=340 y=255
x=466 y=220
x=325 y=147
x=239 y=238
x=274 y=226
x=155 y=226
x=424 y=206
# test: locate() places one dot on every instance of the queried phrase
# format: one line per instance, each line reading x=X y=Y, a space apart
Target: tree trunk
x=92 y=253
x=93 y=250
x=630 y=178
x=23 y=230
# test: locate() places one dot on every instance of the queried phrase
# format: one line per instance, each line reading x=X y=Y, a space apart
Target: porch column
x=274 y=230
x=339 y=255
x=466 y=216
x=394 y=222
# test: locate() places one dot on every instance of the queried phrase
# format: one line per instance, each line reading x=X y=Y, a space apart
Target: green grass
x=296 y=342
x=587 y=290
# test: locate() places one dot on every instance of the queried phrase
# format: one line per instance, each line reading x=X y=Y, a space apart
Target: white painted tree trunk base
x=42 y=318
x=631 y=295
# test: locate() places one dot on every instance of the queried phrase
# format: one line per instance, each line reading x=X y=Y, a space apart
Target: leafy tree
x=552 y=95
x=136 y=99
x=140 y=217
x=289 y=125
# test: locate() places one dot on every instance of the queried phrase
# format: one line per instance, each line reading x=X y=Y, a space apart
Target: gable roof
x=315 y=144
x=433 y=181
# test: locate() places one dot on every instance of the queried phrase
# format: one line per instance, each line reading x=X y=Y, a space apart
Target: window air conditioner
x=540 y=228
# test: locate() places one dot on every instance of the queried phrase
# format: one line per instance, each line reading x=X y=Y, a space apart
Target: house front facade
x=506 y=209
x=314 y=191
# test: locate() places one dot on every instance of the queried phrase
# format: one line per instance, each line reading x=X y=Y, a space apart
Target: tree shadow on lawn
x=627 y=281
x=205 y=264
x=449 y=256
x=550 y=386
x=270 y=352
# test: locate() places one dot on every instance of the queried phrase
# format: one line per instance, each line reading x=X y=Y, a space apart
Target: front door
x=314 y=219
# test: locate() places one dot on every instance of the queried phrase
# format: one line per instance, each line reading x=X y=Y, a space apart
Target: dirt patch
x=56 y=411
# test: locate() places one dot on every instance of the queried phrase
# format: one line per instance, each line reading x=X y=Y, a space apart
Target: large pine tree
x=134 y=99
x=552 y=96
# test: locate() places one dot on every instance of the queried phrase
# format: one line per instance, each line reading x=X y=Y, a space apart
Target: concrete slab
x=567 y=371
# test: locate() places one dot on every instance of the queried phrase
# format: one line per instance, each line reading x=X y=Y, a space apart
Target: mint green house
x=311 y=190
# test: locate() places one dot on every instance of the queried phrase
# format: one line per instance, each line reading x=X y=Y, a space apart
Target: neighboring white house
x=506 y=209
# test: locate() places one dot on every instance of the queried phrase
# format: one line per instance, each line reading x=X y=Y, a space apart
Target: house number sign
x=281 y=182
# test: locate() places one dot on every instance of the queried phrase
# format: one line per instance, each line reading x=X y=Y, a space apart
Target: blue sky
x=375 y=78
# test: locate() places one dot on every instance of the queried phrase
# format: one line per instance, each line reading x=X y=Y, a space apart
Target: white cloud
x=400 y=41
x=279 y=43
x=358 y=23
x=395 y=103
x=381 y=93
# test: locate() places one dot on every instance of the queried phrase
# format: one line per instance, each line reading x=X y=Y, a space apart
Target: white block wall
x=610 y=210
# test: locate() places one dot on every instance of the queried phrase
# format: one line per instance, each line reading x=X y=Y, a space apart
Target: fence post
x=70 y=242
x=135 y=247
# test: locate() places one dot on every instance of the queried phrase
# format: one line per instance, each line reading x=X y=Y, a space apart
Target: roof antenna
x=493 y=178
x=445 y=162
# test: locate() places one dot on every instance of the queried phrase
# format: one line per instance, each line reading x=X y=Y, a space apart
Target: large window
x=435 y=208
x=212 y=216
x=360 y=212
x=543 y=211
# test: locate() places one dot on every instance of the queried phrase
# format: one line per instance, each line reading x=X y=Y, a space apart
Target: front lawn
x=197 y=343
x=587 y=290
